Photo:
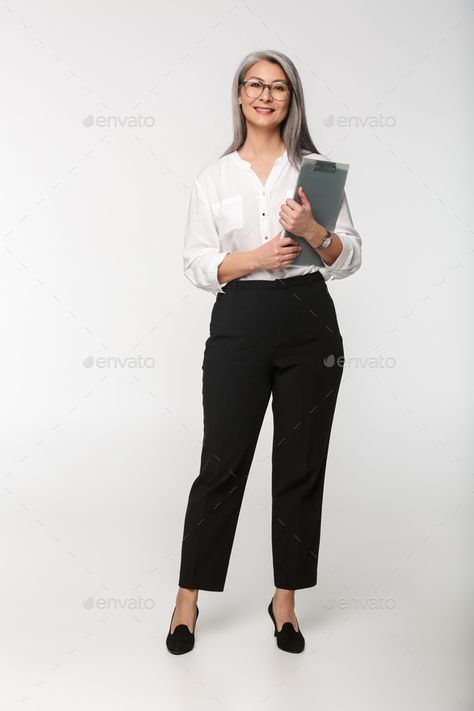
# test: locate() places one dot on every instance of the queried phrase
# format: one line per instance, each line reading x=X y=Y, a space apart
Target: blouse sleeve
x=350 y=259
x=202 y=249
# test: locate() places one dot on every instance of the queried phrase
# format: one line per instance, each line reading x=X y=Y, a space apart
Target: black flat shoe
x=288 y=639
x=182 y=639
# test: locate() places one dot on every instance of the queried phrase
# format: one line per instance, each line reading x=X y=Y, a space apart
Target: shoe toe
x=181 y=640
x=289 y=639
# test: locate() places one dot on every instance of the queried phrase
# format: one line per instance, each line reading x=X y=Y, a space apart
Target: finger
x=284 y=221
x=284 y=241
x=303 y=198
x=288 y=207
x=289 y=245
x=292 y=253
x=285 y=262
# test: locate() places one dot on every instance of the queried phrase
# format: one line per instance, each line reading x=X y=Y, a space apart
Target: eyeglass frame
x=277 y=81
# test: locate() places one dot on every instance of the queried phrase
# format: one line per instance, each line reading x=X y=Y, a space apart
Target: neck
x=261 y=144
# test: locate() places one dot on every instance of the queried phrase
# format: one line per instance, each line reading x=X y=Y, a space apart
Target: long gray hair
x=294 y=129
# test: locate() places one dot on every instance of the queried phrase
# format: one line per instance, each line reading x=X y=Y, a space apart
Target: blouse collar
x=245 y=163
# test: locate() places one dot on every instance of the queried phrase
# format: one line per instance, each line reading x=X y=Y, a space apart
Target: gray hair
x=294 y=129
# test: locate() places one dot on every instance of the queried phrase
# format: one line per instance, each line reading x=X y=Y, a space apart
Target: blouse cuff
x=202 y=271
x=213 y=268
x=343 y=259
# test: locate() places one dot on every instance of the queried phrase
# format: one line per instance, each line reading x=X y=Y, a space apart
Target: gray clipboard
x=323 y=183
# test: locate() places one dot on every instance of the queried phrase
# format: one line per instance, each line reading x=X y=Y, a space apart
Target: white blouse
x=230 y=210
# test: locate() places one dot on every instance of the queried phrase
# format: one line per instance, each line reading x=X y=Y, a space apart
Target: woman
x=274 y=331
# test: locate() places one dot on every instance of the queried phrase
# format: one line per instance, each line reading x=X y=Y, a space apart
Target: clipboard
x=323 y=182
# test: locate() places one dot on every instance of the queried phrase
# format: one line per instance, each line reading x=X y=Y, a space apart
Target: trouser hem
x=299 y=586
x=201 y=586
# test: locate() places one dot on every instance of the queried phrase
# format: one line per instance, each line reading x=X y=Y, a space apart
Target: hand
x=276 y=253
x=299 y=220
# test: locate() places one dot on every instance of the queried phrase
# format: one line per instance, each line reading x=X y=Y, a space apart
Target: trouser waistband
x=288 y=282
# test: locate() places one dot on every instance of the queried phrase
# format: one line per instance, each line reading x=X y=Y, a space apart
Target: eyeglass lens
x=254 y=88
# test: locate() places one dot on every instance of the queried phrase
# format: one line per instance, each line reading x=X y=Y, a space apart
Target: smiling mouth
x=263 y=110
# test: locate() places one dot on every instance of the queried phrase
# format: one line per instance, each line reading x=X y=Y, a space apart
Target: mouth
x=263 y=110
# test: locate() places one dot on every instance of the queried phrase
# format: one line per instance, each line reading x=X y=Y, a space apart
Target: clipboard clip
x=325 y=166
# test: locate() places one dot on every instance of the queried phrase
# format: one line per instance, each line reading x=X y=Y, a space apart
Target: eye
x=255 y=83
x=280 y=87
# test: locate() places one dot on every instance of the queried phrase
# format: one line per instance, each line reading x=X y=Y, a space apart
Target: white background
x=98 y=457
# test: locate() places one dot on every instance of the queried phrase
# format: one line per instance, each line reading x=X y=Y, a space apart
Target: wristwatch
x=326 y=241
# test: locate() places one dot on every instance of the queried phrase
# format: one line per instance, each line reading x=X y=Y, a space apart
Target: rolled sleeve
x=350 y=258
x=202 y=249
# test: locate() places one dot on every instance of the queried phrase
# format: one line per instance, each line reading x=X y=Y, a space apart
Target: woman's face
x=266 y=72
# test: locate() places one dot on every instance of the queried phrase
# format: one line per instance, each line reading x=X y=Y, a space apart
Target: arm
x=205 y=264
x=344 y=255
x=235 y=265
x=202 y=252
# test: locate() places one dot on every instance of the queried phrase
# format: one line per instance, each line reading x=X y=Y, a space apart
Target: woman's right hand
x=276 y=253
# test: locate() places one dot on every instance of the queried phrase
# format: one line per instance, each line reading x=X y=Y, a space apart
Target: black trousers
x=278 y=337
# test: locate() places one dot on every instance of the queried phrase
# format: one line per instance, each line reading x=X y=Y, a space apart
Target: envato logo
x=117 y=362
x=360 y=603
x=115 y=121
x=117 y=603
x=378 y=121
x=353 y=362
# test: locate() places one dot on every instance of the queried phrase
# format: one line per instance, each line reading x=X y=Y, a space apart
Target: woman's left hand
x=298 y=219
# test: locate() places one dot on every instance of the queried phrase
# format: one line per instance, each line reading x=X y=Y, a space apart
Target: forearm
x=235 y=265
x=329 y=254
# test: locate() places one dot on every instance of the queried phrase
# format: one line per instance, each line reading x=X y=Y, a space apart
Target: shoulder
x=215 y=167
x=214 y=173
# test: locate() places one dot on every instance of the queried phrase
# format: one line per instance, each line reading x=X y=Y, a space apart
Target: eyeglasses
x=254 y=88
